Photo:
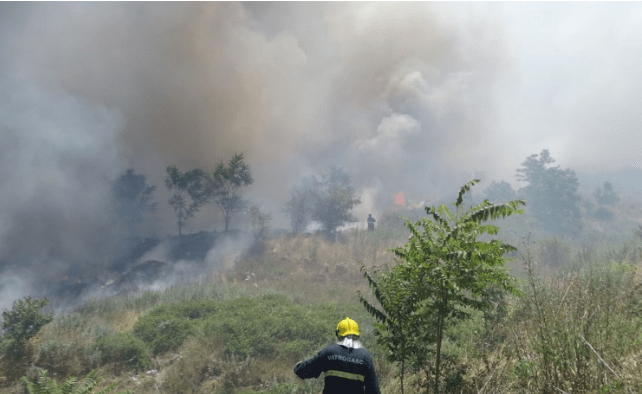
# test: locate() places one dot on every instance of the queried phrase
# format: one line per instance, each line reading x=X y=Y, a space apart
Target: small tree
x=333 y=201
x=443 y=273
x=190 y=193
x=259 y=221
x=224 y=184
x=397 y=301
x=606 y=195
x=133 y=197
x=23 y=322
x=300 y=204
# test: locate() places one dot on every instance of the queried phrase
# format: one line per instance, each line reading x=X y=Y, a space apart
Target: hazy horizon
x=408 y=97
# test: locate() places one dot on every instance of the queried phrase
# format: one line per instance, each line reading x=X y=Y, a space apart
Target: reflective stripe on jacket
x=347 y=370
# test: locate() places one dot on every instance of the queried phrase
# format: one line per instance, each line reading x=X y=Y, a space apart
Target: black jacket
x=347 y=370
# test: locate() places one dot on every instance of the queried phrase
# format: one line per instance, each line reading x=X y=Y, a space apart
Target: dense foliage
x=224 y=183
x=551 y=194
x=189 y=193
x=259 y=220
x=22 y=322
x=326 y=199
x=300 y=203
x=442 y=274
x=133 y=197
x=196 y=187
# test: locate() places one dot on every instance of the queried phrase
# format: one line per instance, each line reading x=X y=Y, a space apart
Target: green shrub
x=296 y=349
x=163 y=335
x=62 y=346
x=258 y=326
x=21 y=323
x=121 y=348
x=60 y=356
x=166 y=327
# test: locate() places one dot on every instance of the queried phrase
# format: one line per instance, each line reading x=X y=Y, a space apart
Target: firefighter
x=371 y=222
x=347 y=365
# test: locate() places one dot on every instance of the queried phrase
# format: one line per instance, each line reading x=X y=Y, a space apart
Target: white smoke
x=410 y=97
x=58 y=155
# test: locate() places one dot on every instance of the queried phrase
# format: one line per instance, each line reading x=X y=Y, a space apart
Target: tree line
x=327 y=199
x=196 y=187
x=552 y=195
x=191 y=191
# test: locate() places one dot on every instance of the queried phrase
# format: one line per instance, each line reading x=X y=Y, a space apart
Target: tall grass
x=575 y=332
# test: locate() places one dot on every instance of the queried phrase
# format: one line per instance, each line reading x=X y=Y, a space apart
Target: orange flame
x=399 y=199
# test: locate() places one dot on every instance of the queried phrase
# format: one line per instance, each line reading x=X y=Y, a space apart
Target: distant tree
x=133 y=197
x=606 y=195
x=551 y=193
x=501 y=191
x=259 y=220
x=224 y=183
x=190 y=193
x=333 y=200
x=299 y=205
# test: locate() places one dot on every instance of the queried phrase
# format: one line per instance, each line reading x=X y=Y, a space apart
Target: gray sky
x=408 y=97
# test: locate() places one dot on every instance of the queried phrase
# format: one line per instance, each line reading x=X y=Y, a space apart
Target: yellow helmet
x=347 y=326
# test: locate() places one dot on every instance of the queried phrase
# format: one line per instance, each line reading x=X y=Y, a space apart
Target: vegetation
x=133 y=197
x=499 y=191
x=606 y=195
x=189 y=193
x=22 y=322
x=195 y=188
x=327 y=199
x=299 y=205
x=122 y=348
x=551 y=193
x=44 y=385
x=259 y=222
x=575 y=329
x=444 y=273
x=224 y=183
x=334 y=200
x=584 y=328
x=241 y=334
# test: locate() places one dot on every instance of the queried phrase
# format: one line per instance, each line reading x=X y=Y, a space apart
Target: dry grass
x=314 y=270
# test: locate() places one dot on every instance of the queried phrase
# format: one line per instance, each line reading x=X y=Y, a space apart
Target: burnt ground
x=129 y=273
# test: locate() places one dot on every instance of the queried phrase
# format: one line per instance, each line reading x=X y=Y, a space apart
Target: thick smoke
x=408 y=97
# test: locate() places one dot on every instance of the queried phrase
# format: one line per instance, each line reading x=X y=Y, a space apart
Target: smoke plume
x=407 y=97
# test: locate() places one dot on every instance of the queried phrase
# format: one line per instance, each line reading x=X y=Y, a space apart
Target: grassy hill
x=577 y=329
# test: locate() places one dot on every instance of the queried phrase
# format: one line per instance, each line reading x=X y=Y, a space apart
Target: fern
x=44 y=385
